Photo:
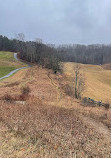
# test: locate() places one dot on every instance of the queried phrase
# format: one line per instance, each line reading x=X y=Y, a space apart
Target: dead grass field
x=50 y=124
x=98 y=80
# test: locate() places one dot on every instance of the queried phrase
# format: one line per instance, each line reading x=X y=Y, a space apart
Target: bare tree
x=20 y=36
x=79 y=81
x=38 y=40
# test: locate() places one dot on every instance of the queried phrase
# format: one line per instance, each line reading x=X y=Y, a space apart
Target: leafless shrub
x=68 y=90
x=25 y=93
x=79 y=81
x=25 y=90
x=7 y=97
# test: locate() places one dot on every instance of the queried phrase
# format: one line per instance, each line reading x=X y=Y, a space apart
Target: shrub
x=25 y=90
x=25 y=93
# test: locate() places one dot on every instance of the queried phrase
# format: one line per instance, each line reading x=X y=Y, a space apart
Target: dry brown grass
x=50 y=124
x=50 y=131
x=98 y=80
x=100 y=114
x=107 y=66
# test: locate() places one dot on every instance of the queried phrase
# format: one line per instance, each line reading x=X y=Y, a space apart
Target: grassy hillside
x=8 y=63
x=39 y=120
x=49 y=123
x=97 y=78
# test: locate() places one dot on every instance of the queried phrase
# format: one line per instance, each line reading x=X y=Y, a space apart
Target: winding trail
x=59 y=93
x=12 y=72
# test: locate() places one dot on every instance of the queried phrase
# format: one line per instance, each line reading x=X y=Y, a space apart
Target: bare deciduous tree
x=39 y=40
x=20 y=36
x=79 y=81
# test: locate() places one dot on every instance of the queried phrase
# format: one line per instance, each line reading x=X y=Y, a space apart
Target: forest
x=86 y=54
x=50 y=56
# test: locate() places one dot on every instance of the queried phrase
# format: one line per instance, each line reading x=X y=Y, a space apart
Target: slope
x=8 y=63
x=48 y=125
x=97 y=79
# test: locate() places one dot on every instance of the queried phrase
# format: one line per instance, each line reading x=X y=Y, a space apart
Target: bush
x=7 y=97
x=25 y=93
x=25 y=90
x=52 y=63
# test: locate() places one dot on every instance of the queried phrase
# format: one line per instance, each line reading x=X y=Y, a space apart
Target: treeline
x=49 y=56
x=91 y=54
x=31 y=51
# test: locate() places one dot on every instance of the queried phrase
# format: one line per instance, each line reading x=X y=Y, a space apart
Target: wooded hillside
x=50 y=56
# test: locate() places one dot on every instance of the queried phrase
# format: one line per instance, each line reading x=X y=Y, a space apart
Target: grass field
x=45 y=122
x=49 y=124
x=97 y=80
x=8 y=63
x=8 y=56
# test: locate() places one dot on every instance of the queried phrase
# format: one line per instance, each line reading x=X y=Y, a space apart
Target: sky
x=57 y=21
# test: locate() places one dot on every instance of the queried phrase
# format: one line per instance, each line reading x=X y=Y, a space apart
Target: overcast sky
x=57 y=21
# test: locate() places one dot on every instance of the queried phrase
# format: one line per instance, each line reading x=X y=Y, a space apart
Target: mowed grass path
x=97 y=80
x=8 y=63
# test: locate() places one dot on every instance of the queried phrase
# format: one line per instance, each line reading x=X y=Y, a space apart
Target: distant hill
x=97 y=78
